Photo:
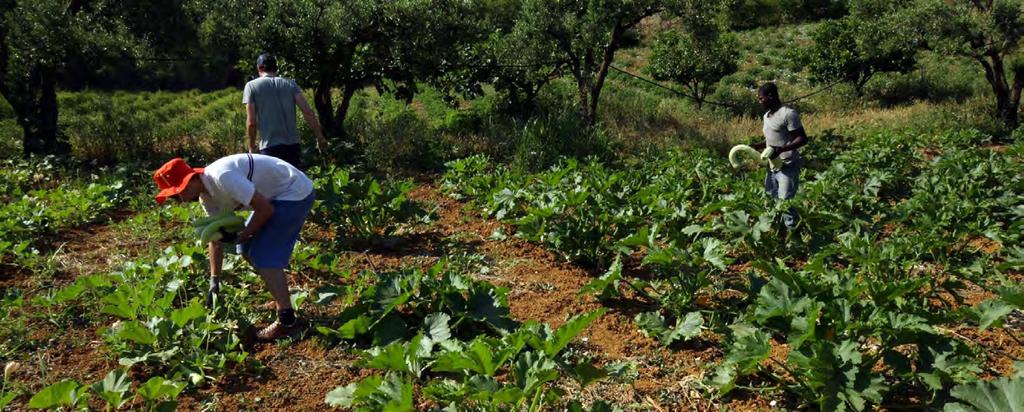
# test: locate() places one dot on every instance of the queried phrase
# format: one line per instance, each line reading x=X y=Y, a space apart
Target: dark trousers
x=287 y=152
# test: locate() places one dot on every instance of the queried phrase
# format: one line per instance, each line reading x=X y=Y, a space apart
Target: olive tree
x=988 y=32
x=585 y=35
x=343 y=45
x=697 y=61
x=37 y=38
x=520 y=67
x=876 y=37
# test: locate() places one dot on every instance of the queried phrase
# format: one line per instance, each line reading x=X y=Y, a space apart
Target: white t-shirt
x=229 y=184
x=779 y=127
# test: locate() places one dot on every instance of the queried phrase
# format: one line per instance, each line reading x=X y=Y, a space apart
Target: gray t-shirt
x=274 y=98
x=778 y=130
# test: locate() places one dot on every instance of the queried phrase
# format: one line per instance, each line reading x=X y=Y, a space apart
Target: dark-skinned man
x=784 y=134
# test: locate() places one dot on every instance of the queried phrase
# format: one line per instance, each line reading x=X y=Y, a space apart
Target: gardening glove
x=214 y=289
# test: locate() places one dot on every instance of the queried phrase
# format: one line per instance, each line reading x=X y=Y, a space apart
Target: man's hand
x=254 y=148
x=769 y=153
x=321 y=146
x=214 y=290
x=243 y=237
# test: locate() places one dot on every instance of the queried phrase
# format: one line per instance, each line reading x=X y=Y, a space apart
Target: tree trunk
x=602 y=73
x=324 y=105
x=1006 y=104
x=346 y=100
x=1015 y=91
x=38 y=115
x=583 y=91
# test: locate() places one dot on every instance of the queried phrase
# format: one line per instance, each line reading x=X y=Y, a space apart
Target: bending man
x=280 y=197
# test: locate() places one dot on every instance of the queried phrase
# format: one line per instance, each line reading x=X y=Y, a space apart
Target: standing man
x=270 y=111
x=280 y=197
x=783 y=134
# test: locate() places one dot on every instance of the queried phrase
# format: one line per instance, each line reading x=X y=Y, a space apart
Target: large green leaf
x=1000 y=395
x=355 y=327
x=487 y=304
x=64 y=393
x=113 y=387
x=158 y=388
x=436 y=326
x=776 y=300
x=607 y=284
x=346 y=396
x=395 y=394
x=686 y=328
x=715 y=253
x=749 y=348
x=532 y=371
x=135 y=332
x=390 y=329
x=476 y=357
x=6 y=398
x=586 y=373
x=804 y=325
x=392 y=393
x=390 y=357
x=552 y=343
x=839 y=377
x=182 y=316
x=991 y=312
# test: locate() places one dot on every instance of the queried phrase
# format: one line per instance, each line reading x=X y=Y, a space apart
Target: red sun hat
x=172 y=177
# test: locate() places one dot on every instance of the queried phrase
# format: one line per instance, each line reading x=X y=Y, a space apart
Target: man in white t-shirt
x=784 y=135
x=280 y=197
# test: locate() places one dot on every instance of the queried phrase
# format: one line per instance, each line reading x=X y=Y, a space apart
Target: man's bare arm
x=799 y=140
x=312 y=121
x=251 y=127
x=262 y=209
x=216 y=255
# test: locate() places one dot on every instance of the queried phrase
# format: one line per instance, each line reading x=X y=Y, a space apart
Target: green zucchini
x=201 y=223
x=740 y=149
x=734 y=156
x=211 y=232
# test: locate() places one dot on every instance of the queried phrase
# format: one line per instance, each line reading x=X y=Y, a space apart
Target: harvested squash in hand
x=216 y=227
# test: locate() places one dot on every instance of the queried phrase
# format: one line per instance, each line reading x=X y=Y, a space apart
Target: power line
x=684 y=94
x=659 y=85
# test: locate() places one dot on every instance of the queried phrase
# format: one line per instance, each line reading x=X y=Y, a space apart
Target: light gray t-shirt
x=229 y=184
x=778 y=130
x=274 y=98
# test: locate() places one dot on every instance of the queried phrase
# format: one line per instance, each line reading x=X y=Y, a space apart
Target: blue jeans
x=782 y=185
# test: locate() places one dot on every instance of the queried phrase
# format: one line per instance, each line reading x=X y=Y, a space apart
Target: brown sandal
x=275 y=331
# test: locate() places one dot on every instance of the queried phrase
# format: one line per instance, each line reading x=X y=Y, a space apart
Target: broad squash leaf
x=64 y=393
x=1000 y=395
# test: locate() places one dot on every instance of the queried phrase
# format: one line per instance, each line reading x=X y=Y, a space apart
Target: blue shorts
x=272 y=246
